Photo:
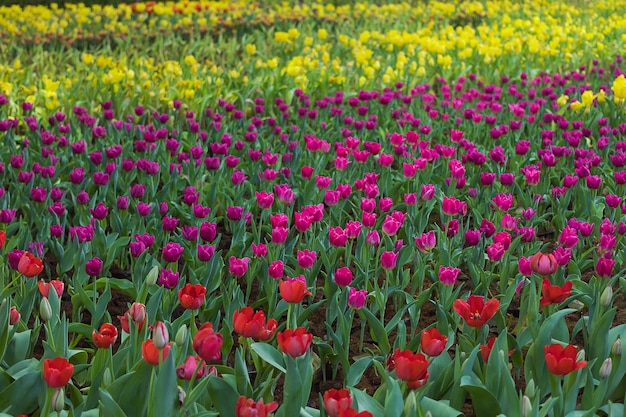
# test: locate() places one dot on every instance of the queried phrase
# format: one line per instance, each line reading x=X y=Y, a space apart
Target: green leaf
x=364 y=402
x=439 y=408
x=270 y=355
x=27 y=389
x=108 y=406
x=131 y=390
x=394 y=405
x=378 y=331
x=223 y=395
x=164 y=392
x=357 y=369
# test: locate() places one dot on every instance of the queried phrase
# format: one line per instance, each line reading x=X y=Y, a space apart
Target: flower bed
x=290 y=218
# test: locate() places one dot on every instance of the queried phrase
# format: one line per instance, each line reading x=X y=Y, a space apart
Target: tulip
x=57 y=372
x=293 y=290
x=475 y=311
x=561 y=360
x=172 y=251
x=388 y=260
x=186 y=370
x=343 y=276
x=45 y=309
x=250 y=324
x=448 y=274
x=93 y=267
x=168 y=278
x=604 y=267
x=14 y=316
x=276 y=269
x=238 y=267
x=29 y=265
x=553 y=293
x=433 y=342
x=543 y=264
x=336 y=401
x=160 y=335
x=3 y=238
x=306 y=258
x=44 y=287
x=247 y=407
x=208 y=344
x=106 y=337
x=136 y=314
x=191 y=296
x=294 y=343
x=411 y=367
x=356 y=298
x=150 y=353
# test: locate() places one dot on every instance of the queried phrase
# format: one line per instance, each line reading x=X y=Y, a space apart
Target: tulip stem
x=45 y=410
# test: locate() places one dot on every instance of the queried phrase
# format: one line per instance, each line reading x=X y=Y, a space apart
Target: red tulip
x=337 y=401
x=293 y=290
x=247 y=407
x=561 y=360
x=137 y=314
x=57 y=372
x=475 y=311
x=14 y=316
x=3 y=238
x=411 y=367
x=150 y=353
x=29 y=265
x=250 y=324
x=553 y=293
x=106 y=337
x=186 y=370
x=294 y=342
x=485 y=350
x=433 y=342
x=191 y=296
x=208 y=344
x=543 y=264
x=44 y=287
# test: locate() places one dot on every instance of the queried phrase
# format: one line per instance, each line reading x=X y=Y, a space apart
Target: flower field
x=313 y=209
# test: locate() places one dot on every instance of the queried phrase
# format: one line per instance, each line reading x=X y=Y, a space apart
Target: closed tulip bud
x=181 y=335
x=153 y=276
x=580 y=356
x=58 y=400
x=607 y=297
x=14 y=316
x=530 y=388
x=45 y=310
x=161 y=336
x=606 y=368
x=527 y=407
x=107 y=378
x=616 y=347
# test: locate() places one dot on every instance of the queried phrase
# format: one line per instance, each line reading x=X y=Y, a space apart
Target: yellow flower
x=587 y=98
x=322 y=34
x=281 y=37
x=601 y=96
x=251 y=49
x=562 y=101
x=619 y=87
x=577 y=105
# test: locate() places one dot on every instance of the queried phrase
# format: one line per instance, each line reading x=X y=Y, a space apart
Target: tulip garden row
x=318 y=224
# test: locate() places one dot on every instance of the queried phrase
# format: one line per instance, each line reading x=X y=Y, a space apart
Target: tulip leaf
x=27 y=389
x=130 y=390
x=365 y=402
x=223 y=395
x=483 y=400
x=164 y=393
x=394 y=405
x=17 y=348
x=198 y=390
x=270 y=355
x=378 y=331
x=108 y=406
x=242 y=377
x=357 y=369
x=439 y=408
